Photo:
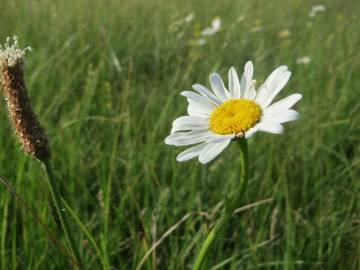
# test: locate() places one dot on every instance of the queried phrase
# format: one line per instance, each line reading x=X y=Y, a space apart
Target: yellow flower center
x=235 y=116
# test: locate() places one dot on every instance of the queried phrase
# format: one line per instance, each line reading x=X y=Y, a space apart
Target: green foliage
x=105 y=78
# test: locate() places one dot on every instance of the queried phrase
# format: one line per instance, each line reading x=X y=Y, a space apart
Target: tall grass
x=105 y=78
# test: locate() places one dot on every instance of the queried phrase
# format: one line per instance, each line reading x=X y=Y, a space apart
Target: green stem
x=55 y=194
x=231 y=204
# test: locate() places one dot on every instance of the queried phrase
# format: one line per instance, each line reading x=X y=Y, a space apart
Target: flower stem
x=231 y=204
x=55 y=194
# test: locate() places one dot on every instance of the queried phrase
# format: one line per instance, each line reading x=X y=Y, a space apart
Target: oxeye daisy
x=217 y=117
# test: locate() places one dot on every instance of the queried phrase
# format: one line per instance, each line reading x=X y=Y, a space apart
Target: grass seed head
x=23 y=119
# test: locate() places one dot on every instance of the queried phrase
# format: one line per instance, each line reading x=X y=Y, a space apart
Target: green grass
x=105 y=78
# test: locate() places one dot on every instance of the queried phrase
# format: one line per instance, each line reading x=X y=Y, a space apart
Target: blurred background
x=105 y=78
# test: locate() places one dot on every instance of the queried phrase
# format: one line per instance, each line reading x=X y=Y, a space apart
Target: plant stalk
x=55 y=194
x=231 y=204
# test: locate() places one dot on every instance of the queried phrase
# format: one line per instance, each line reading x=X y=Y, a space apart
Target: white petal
x=216 y=138
x=268 y=86
x=246 y=78
x=195 y=97
x=248 y=71
x=188 y=138
x=234 y=84
x=278 y=85
x=250 y=132
x=250 y=92
x=196 y=109
x=268 y=91
x=270 y=127
x=262 y=93
x=189 y=119
x=189 y=123
x=191 y=152
x=206 y=93
x=208 y=31
x=218 y=87
x=212 y=150
x=274 y=74
x=171 y=139
x=282 y=104
x=282 y=117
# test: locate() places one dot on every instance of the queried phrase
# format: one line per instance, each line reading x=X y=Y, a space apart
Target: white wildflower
x=304 y=60
x=189 y=17
x=316 y=9
x=256 y=29
x=201 y=41
x=241 y=18
x=214 y=28
x=217 y=117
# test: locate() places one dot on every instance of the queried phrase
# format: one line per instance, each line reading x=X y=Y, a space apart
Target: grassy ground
x=105 y=78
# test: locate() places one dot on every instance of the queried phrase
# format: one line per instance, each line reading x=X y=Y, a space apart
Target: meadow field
x=105 y=79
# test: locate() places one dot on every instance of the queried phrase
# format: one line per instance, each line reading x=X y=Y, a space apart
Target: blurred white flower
x=201 y=41
x=241 y=18
x=176 y=25
x=189 y=17
x=312 y=14
x=256 y=29
x=216 y=23
x=304 y=60
x=316 y=9
x=214 y=28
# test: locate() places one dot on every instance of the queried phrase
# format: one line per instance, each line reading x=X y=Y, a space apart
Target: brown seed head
x=26 y=125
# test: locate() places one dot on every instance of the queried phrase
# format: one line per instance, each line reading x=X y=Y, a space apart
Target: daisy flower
x=214 y=28
x=303 y=60
x=217 y=117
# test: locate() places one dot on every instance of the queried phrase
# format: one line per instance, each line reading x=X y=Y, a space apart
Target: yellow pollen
x=235 y=116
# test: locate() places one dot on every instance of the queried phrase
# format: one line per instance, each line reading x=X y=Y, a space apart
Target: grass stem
x=55 y=194
x=230 y=207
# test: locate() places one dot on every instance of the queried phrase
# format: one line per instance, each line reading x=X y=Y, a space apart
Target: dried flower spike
x=26 y=124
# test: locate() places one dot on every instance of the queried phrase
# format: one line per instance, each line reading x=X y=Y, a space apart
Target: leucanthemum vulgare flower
x=217 y=117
